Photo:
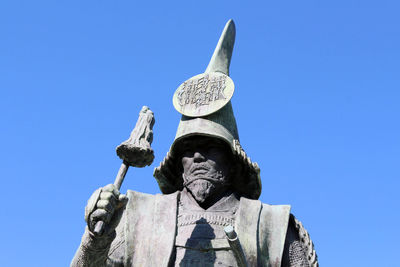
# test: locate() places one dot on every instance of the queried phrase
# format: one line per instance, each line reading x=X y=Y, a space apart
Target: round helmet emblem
x=203 y=94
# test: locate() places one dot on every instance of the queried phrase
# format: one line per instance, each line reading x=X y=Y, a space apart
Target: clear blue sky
x=316 y=101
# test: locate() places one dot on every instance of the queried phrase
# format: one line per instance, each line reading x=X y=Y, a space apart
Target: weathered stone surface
x=137 y=151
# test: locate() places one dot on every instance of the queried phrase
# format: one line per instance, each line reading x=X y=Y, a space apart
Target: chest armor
x=200 y=237
x=150 y=231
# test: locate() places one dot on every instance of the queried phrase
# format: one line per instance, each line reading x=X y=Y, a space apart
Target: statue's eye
x=214 y=147
x=188 y=153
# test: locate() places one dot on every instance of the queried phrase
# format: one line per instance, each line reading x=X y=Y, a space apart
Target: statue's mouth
x=204 y=178
x=200 y=171
x=199 y=168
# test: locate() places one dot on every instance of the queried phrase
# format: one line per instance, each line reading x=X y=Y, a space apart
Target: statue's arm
x=99 y=252
x=105 y=248
x=299 y=249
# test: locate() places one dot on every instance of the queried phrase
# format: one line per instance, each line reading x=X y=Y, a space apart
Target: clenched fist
x=103 y=206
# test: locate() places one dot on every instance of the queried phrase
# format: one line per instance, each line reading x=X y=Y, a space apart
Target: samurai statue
x=208 y=213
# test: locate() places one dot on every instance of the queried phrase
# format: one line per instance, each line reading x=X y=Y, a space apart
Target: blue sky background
x=316 y=102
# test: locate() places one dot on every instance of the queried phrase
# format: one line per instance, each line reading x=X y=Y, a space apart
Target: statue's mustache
x=214 y=178
x=199 y=166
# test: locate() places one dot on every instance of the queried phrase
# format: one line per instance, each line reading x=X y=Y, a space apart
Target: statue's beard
x=201 y=189
x=204 y=186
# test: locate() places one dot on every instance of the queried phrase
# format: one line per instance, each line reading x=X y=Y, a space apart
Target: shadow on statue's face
x=205 y=163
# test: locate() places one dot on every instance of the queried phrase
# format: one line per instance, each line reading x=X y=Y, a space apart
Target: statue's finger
x=100 y=215
x=106 y=205
x=107 y=196
x=91 y=205
x=111 y=188
x=122 y=200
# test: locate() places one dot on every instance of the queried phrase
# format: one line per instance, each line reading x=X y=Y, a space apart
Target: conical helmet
x=204 y=102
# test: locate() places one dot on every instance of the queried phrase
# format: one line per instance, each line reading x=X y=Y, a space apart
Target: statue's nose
x=198 y=157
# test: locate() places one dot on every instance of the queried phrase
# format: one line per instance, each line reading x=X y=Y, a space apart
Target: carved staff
x=135 y=152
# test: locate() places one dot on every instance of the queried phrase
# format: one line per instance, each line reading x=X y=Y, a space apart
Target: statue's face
x=206 y=171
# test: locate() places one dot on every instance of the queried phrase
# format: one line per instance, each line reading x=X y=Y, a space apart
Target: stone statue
x=208 y=213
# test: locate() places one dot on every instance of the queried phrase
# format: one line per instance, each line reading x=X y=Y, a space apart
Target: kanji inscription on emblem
x=203 y=94
x=202 y=91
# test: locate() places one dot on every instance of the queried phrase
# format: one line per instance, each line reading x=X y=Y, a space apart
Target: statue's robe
x=145 y=235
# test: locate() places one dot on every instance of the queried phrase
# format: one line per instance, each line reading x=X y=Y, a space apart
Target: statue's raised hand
x=103 y=206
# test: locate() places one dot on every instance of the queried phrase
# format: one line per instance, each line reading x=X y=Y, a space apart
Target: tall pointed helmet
x=204 y=102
